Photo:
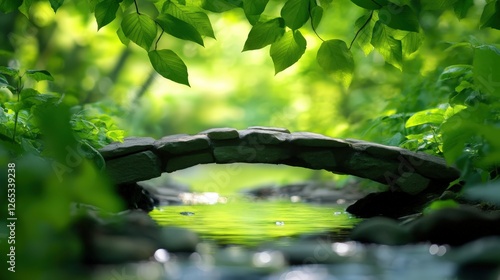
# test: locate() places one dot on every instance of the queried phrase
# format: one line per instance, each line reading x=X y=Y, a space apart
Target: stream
x=284 y=240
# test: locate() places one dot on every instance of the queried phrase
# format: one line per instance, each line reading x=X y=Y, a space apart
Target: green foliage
x=437 y=4
x=105 y=12
x=179 y=28
x=334 y=57
x=383 y=29
x=21 y=127
x=487 y=192
x=295 y=13
x=140 y=29
x=491 y=15
x=287 y=50
x=264 y=33
x=169 y=65
x=465 y=130
x=402 y=18
x=389 y=47
x=190 y=15
x=369 y=4
x=440 y=204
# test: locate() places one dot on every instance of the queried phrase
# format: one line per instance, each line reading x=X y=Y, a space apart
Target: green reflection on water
x=251 y=223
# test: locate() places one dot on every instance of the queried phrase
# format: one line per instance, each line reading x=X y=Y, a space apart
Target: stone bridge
x=142 y=158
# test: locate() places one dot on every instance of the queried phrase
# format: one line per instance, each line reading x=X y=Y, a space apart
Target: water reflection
x=240 y=221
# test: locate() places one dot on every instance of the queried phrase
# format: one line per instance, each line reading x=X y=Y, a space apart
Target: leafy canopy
x=390 y=27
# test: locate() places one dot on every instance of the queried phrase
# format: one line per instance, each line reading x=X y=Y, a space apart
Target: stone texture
x=242 y=153
x=432 y=166
x=266 y=128
x=404 y=170
x=133 y=168
x=381 y=230
x=185 y=161
x=181 y=143
x=224 y=133
x=309 y=139
x=412 y=183
x=324 y=159
x=378 y=150
x=130 y=145
x=254 y=137
x=366 y=166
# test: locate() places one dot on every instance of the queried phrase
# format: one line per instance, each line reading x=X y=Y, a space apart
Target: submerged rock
x=380 y=230
x=455 y=226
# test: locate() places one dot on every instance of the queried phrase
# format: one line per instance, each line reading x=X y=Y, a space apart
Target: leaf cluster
x=23 y=108
x=390 y=27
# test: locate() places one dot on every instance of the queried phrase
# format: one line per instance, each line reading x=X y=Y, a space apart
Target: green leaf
x=39 y=75
x=486 y=68
x=491 y=15
x=219 y=6
x=430 y=116
x=489 y=192
x=295 y=13
x=92 y=4
x=140 y=29
x=370 y=4
x=387 y=46
x=169 y=65
x=287 y=50
x=8 y=6
x=55 y=4
x=316 y=16
x=437 y=4
x=105 y=12
x=3 y=81
x=462 y=7
x=179 y=28
x=365 y=35
x=25 y=7
x=264 y=33
x=440 y=204
x=122 y=37
x=411 y=42
x=455 y=71
x=403 y=18
x=9 y=71
x=191 y=15
x=456 y=134
x=253 y=9
x=335 y=58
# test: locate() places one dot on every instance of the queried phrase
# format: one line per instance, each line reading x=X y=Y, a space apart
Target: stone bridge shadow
x=143 y=158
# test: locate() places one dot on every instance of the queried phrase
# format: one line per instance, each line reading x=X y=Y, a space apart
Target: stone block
x=267 y=128
x=133 y=168
x=309 y=139
x=243 y=153
x=322 y=159
x=182 y=143
x=185 y=161
x=256 y=137
x=378 y=150
x=129 y=145
x=224 y=133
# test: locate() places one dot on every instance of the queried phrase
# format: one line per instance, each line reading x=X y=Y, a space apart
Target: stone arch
x=143 y=158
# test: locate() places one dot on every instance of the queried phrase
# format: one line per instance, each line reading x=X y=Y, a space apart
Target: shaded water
x=244 y=222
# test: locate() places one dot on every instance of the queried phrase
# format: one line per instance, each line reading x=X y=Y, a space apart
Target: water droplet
x=187 y=213
x=280 y=223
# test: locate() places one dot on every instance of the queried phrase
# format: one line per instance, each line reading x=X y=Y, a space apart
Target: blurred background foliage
x=113 y=87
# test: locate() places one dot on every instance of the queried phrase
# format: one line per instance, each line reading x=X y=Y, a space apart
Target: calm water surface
x=245 y=222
